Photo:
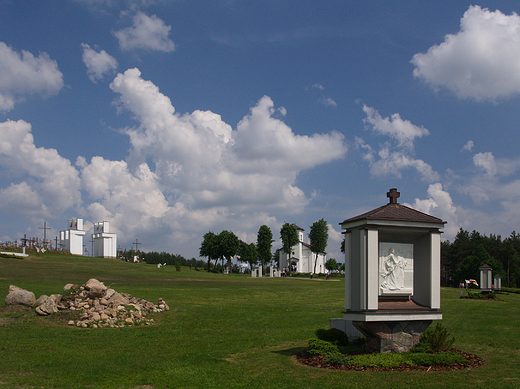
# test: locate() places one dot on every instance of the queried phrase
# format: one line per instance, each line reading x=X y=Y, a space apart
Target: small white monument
x=392 y=276
x=105 y=243
x=71 y=240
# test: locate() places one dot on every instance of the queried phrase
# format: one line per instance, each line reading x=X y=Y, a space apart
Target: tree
x=264 y=241
x=227 y=246
x=289 y=237
x=331 y=264
x=209 y=247
x=319 y=236
x=248 y=253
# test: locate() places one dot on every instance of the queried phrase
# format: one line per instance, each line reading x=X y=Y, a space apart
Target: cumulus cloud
x=23 y=74
x=393 y=159
x=401 y=130
x=440 y=204
x=98 y=64
x=328 y=102
x=468 y=146
x=51 y=183
x=147 y=32
x=200 y=158
x=486 y=161
x=480 y=62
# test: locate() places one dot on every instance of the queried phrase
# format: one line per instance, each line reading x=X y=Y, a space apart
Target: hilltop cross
x=393 y=195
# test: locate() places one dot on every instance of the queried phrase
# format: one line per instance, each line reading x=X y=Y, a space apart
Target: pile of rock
x=97 y=305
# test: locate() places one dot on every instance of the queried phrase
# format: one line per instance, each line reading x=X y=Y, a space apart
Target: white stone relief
x=395 y=269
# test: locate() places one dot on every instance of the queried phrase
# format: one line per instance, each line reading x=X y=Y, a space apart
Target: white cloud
x=392 y=160
x=147 y=32
x=318 y=86
x=98 y=64
x=402 y=130
x=468 y=146
x=24 y=74
x=51 y=182
x=480 y=62
x=328 y=102
x=440 y=204
x=486 y=161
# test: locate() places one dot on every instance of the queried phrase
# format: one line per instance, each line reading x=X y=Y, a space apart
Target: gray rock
x=93 y=283
x=117 y=299
x=19 y=296
x=49 y=307
x=41 y=300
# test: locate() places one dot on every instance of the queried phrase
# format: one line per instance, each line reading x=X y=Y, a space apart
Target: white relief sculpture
x=395 y=269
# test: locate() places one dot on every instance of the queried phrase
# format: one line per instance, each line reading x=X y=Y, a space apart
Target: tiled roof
x=396 y=212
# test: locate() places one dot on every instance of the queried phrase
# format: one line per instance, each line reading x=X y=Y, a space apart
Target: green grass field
x=221 y=332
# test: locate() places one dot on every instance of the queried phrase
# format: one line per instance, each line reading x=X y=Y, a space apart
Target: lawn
x=221 y=332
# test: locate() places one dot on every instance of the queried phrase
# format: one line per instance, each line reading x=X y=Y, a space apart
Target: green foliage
x=332 y=335
x=264 y=242
x=377 y=360
x=396 y=360
x=289 y=237
x=248 y=253
x=434 y=339
x=319 y=236
x=321 y=347
x=331 y=264
x=438 y=359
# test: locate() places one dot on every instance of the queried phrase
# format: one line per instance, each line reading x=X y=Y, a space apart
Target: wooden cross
x=393 y=195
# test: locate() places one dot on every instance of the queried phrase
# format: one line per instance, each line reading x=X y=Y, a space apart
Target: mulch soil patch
x=472 y=361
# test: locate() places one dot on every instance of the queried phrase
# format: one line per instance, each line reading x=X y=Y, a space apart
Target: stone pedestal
x=391 y=336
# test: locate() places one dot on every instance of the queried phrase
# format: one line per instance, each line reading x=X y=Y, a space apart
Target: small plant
x=434 y=340
x=177 y=266
x=321 y=347
x=332 y=335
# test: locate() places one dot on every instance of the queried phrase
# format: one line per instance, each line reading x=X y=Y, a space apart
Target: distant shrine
x=71 y=240
x=392 y=275
x=302 y=258
x=105 y=243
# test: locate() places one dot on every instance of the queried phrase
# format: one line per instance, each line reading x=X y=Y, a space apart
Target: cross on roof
x=393 y=195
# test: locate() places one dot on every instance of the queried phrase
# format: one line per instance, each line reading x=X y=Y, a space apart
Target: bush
x=321 y=347
x=440 y=359
x=377 y=360
x=332 y=335
x=434 y=339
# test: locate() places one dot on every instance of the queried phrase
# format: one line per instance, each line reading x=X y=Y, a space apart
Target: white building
x=105 y=243
x=71 y=240
x=302 y=258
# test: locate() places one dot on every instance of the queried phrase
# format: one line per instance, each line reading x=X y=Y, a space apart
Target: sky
x=169 y=119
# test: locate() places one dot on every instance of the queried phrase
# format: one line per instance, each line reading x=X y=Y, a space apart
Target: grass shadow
x=290 y=351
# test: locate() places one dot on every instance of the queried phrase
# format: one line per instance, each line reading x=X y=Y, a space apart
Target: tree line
x=462 y=258
x=225 y=245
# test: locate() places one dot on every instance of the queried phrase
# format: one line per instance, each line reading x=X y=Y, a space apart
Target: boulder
x=49 y=307
x=93 y=283
x=117 y=299
x=19 y=296
x=41 y=300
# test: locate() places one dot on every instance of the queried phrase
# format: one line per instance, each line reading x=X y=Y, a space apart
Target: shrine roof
x=395 y=212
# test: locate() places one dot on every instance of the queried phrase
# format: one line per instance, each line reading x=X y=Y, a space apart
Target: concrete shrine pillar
x=392 y=275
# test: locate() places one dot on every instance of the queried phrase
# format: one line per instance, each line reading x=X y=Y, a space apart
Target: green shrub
x=335 y=359
x=377 y=360
x=440 y=359
x=332 y=335
x=434 y=339
x=321 y=347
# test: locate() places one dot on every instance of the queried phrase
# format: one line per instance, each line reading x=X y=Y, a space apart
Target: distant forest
x=462 y=259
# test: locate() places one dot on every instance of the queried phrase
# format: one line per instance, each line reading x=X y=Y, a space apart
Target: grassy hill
x=221 y=332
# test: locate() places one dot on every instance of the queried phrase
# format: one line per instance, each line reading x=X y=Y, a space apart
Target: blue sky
x=173 y=118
